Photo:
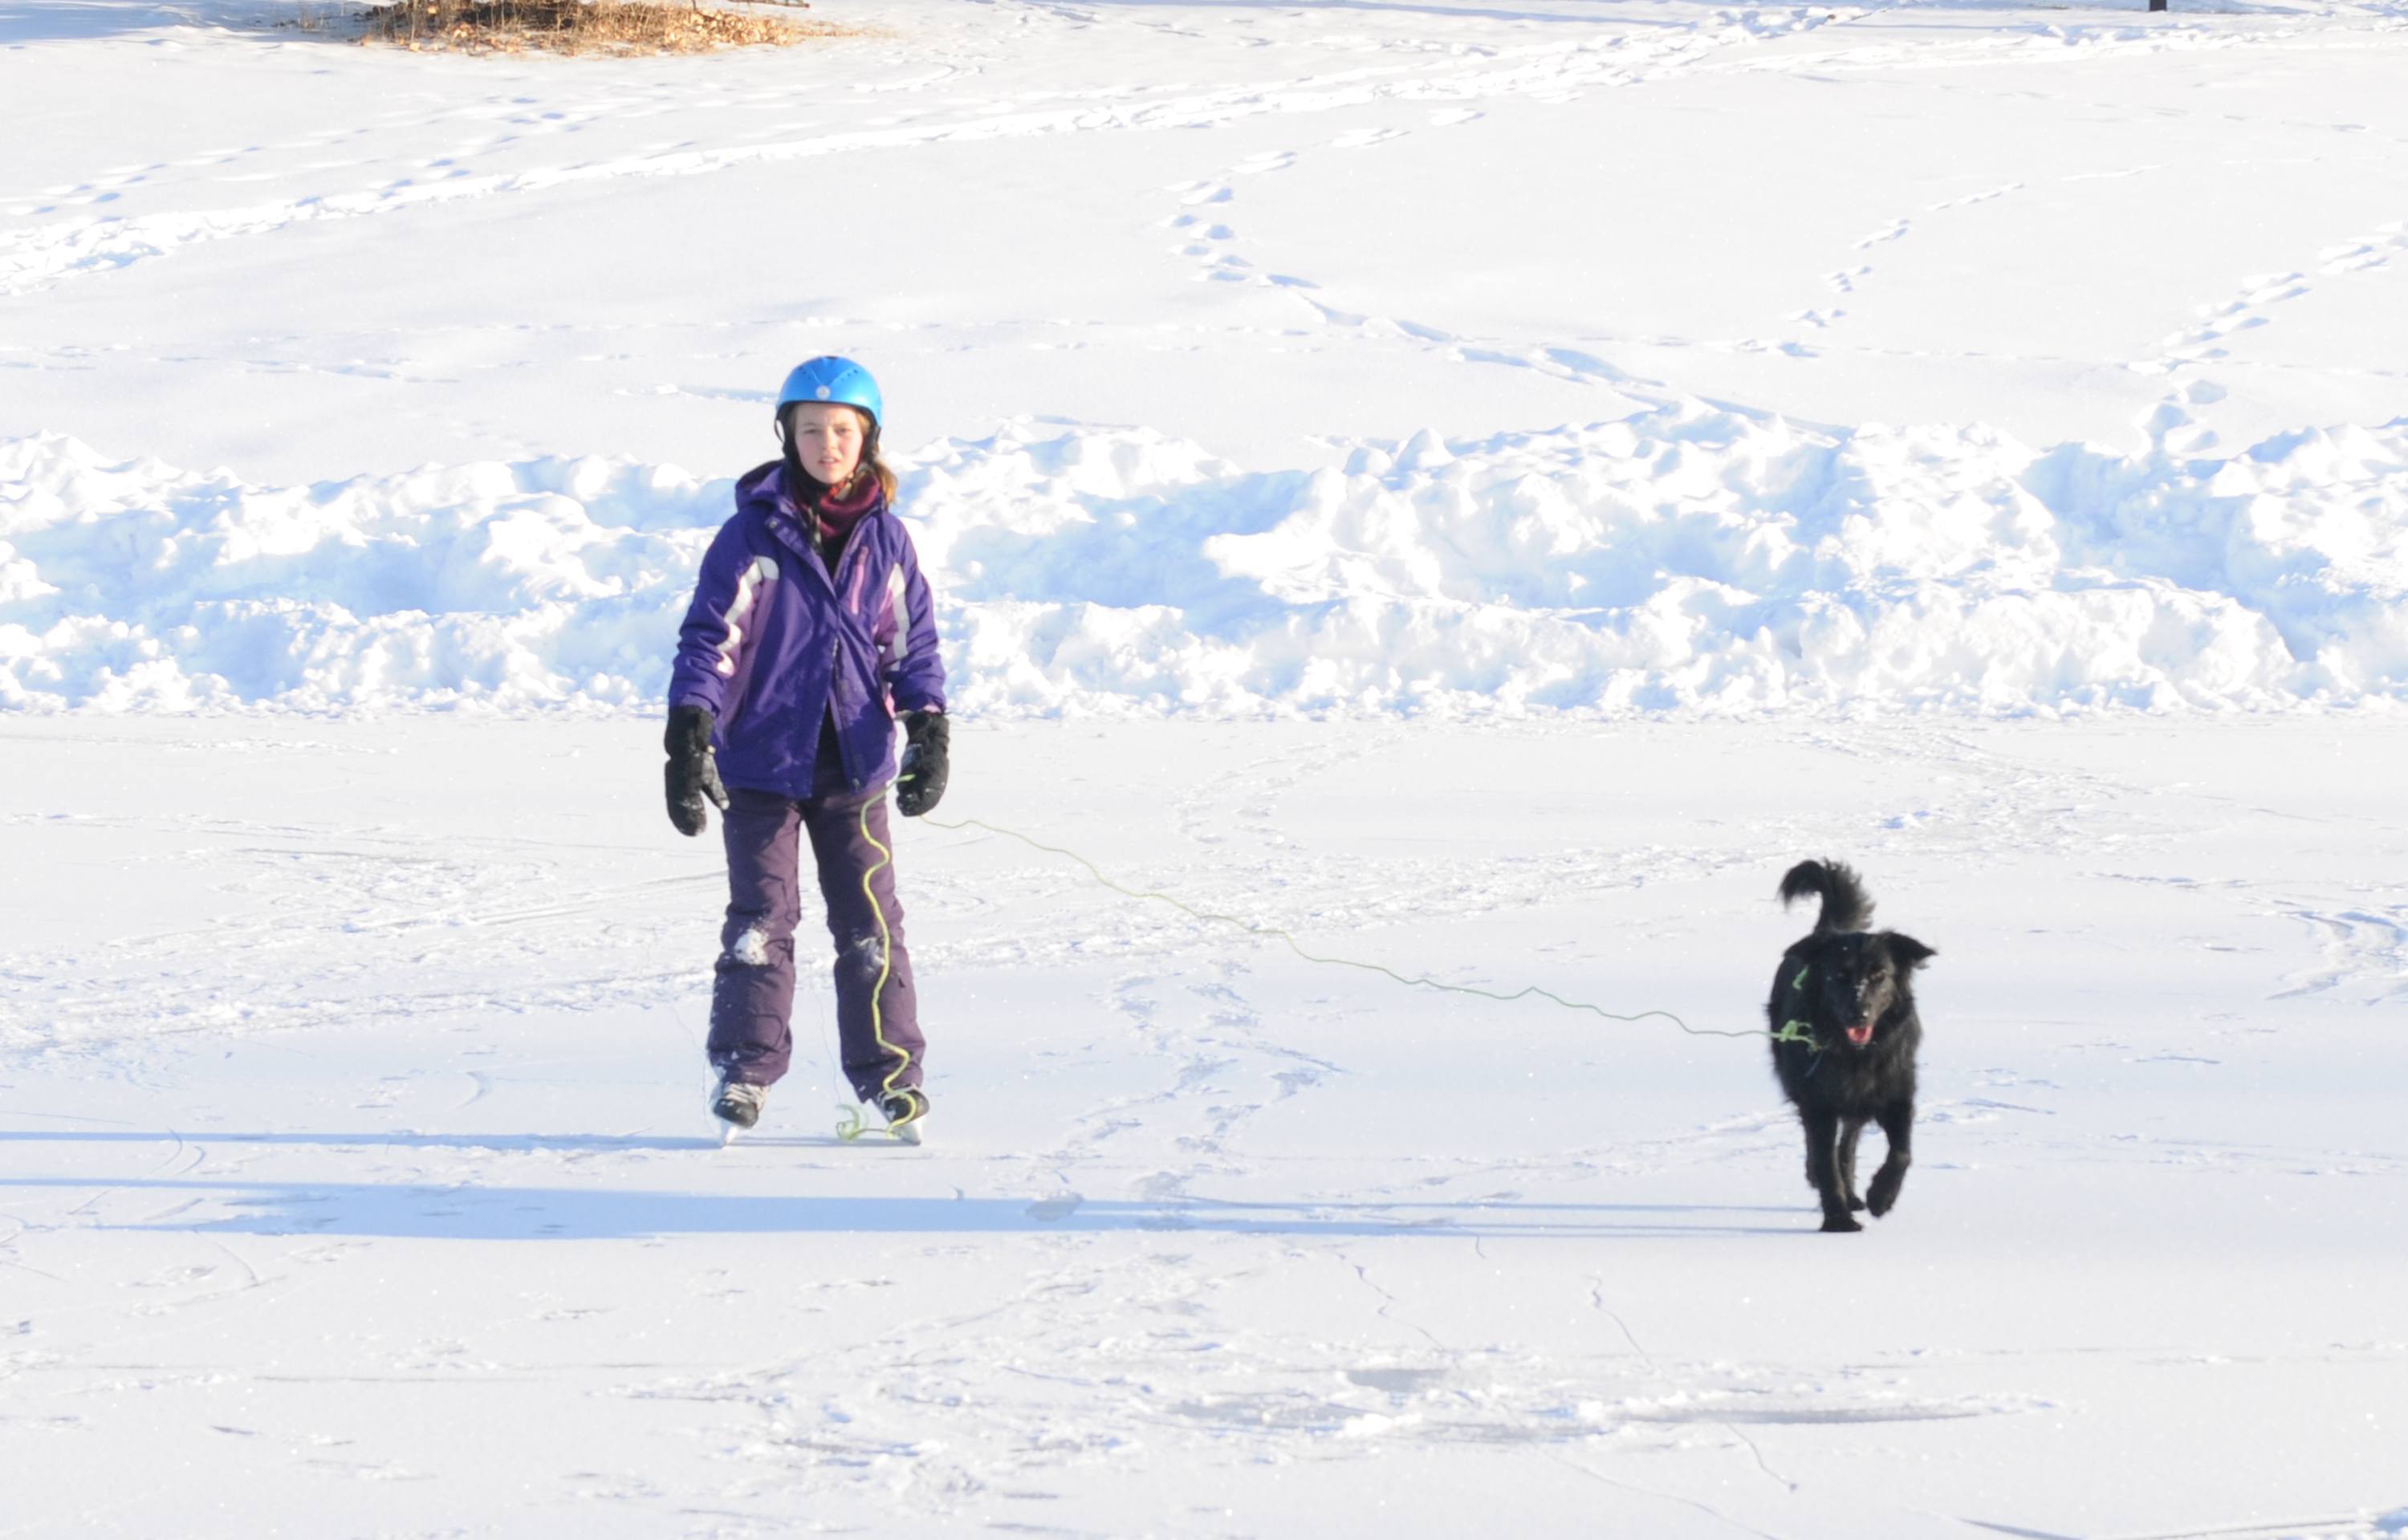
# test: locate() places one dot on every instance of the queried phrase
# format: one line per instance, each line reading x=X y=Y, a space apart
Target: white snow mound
x=1688 y=559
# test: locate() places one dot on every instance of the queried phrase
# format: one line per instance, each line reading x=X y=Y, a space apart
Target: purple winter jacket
x=773 y=643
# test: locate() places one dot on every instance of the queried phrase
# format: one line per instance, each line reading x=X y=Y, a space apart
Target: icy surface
x=353 y=1122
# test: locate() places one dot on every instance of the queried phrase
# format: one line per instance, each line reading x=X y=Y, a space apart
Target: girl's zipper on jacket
x=849 y=562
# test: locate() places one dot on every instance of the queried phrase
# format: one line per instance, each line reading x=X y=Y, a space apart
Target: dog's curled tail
x=1845 y=904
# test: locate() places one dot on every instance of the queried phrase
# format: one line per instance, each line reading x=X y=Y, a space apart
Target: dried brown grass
x=611 y=27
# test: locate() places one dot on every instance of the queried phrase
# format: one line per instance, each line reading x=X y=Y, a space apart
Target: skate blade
x=908 y=1133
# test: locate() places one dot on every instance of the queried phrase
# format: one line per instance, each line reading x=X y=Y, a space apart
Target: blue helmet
x=835 y=379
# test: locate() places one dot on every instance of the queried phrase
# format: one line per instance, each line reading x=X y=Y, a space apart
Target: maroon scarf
x=832 y=515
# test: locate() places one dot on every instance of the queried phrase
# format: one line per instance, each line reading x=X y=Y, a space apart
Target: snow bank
x=1688 y=559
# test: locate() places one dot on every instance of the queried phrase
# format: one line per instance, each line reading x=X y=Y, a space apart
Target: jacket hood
x=763 y=488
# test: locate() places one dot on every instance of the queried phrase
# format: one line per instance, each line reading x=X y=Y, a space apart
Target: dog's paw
x=1839 y=1224
x=1883 y=1196
x=1855 y=1203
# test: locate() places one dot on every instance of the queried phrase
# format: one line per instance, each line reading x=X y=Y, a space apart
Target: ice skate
x=738 y=1107
x=904 y=1109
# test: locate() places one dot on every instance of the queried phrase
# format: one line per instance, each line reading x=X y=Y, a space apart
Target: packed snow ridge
x=1689 y=559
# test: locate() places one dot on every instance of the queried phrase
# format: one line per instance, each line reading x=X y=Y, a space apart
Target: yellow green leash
x=850 y=1126
x=1794 y=1030
x=1273 y=932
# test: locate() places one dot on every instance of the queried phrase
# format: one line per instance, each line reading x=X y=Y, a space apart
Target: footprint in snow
x=1973 y=198
x=2374 y=251
x=2351 y=259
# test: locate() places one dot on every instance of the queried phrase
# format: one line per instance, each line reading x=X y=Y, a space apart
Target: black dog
x=1845 y=1033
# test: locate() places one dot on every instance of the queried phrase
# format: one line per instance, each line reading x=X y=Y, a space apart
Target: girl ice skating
x=811 y=630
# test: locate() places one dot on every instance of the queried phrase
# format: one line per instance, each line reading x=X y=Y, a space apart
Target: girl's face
x=828 y=440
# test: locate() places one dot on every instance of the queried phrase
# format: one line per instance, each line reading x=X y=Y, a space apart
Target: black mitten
x=927 y=737
x=693 y=772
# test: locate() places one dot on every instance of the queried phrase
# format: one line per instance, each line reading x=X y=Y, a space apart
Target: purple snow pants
x=753 y=999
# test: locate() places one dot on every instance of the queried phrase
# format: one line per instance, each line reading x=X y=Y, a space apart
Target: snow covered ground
x=1243 y=360
x=1485 y=487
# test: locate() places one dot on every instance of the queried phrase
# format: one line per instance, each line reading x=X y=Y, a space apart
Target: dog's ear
x=1906 y=951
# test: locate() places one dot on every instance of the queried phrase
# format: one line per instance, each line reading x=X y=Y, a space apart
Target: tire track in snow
x=35 y=260
x=2365 y=947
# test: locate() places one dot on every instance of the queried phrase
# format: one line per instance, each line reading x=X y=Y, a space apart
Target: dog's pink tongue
x=1861 y=1036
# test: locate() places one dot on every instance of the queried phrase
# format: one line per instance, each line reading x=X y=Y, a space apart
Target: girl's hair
x=871 y=464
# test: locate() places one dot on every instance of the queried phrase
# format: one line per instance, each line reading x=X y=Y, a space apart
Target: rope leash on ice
x=1791 y=1032
x=850 y=1126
